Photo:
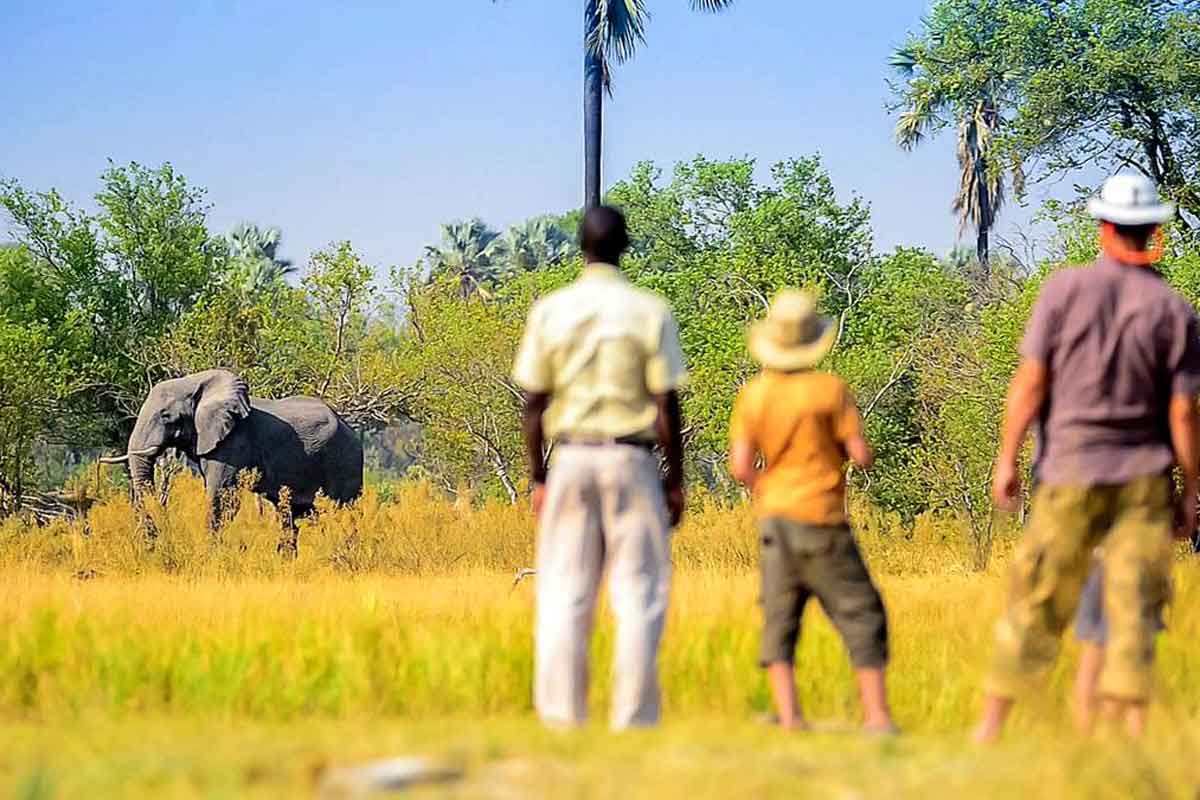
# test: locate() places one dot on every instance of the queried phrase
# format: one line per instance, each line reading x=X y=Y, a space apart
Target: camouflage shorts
x=1132 y=522
x=1091 y=625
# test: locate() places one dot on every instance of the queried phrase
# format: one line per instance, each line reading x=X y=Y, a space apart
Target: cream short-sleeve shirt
x=602 y=349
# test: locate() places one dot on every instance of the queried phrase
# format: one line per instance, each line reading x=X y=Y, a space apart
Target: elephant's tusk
x=149 y=451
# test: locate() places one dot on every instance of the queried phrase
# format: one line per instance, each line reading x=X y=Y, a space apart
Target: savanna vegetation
x=206 y=665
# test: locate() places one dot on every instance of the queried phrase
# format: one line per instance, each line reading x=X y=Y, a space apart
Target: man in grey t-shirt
x=1110 y=371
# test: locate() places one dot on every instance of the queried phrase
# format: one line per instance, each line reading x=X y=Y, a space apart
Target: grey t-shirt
x=1118 y=343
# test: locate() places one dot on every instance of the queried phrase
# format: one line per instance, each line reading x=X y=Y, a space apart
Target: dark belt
x=624 y=441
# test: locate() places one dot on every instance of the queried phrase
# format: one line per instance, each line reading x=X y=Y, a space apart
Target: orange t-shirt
x=800 y=423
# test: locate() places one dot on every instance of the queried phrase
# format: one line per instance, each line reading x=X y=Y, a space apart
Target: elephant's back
x=311 y=420
x=333 y=445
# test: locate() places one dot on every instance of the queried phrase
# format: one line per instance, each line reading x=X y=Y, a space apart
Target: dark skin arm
x=535 y=444
x=668 y=426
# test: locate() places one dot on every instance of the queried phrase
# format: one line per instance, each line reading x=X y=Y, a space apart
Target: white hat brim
x=1124 y=215
x=784 y=358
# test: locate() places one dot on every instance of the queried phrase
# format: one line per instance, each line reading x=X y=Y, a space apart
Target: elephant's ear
x=224 y=400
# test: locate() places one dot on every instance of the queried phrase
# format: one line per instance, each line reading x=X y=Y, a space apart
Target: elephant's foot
x=289 y=545
x=148 y=530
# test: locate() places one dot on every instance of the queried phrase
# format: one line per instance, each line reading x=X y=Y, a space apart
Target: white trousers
x=604 y=509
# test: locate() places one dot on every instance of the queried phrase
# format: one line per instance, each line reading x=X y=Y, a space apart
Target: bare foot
x=985 y=734
x=887 y=728
x=773 y=720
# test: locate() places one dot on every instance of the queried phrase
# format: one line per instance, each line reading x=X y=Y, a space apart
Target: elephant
x=297 y=442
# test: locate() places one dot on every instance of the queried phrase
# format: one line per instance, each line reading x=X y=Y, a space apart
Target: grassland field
x=213 y=668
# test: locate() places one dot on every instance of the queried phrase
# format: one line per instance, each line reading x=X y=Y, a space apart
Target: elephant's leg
x=289 y=538
x=296 y=507
x=145 y=523
x=218 y=479
x=148 y=528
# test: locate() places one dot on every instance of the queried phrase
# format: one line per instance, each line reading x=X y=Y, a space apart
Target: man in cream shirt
x=601 y=365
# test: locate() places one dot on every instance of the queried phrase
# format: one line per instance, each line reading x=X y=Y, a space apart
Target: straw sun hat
x=793 y=336
x=1130 y=199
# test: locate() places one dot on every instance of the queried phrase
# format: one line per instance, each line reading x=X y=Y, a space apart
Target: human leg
x=781 y=677
x=783 y=600
x=637 y=542
x=840 y=579
x=1137 y=584
x=1046 y=579
x=569 y=562
x=1091 y=631
x=1091 y=662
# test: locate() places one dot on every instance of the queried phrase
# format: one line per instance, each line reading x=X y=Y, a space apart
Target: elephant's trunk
x=142 y=454
x=141 y=472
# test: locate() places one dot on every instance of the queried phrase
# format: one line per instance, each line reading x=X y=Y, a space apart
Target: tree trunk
x=593 y=109
x=983 y=249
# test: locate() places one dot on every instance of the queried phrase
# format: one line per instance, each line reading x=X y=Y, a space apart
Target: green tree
x=254 y=262
x=125 y=274
x=471 y=254
x=909 y=303
x=155 y=238
x=539 y=242
x=329 y=337
x=354 y=367
x=718 y=244
x=1065 y=85
x=43 y=343
x=928 y=100
x=459 y=354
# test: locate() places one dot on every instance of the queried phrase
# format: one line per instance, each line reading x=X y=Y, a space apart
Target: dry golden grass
x=187 y=687
x=214 y=668
x=416 y=531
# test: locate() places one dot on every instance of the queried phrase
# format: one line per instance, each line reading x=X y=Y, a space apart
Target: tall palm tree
x=256 y=263
x=982 y=187
x=539 y=242
x=612 y=31
x=472 y=253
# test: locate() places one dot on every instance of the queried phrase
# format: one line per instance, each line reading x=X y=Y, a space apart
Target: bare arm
x=1026 y=397
x=669 y=427
x=1183 y=423
x=858 y=450
x=743 y=463
x=531 y=427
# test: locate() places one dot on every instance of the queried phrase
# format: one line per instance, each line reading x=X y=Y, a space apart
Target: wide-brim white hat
x=793 y=336
x=1130 y=199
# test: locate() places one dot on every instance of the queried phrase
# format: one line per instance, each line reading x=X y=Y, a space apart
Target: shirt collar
x=1105 y=260
x=600 y=271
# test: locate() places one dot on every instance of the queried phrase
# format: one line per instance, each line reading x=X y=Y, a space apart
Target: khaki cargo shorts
x=800 y=561
x=1132 y=522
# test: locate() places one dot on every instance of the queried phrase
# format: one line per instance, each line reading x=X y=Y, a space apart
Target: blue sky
x=376 y=121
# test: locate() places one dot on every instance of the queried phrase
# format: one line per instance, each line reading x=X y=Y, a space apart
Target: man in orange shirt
x=802 y=426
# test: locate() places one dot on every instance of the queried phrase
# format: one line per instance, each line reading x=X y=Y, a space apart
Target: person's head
x=1132 y=237
x=1130 y=213
x=602 y=235
x=794 y=336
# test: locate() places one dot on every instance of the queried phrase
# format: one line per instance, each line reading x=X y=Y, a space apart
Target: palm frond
x=472 y=253
x=914 y=125
x=904 y=61
x=538 y=242
x=617 y=28
x=711 y=6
